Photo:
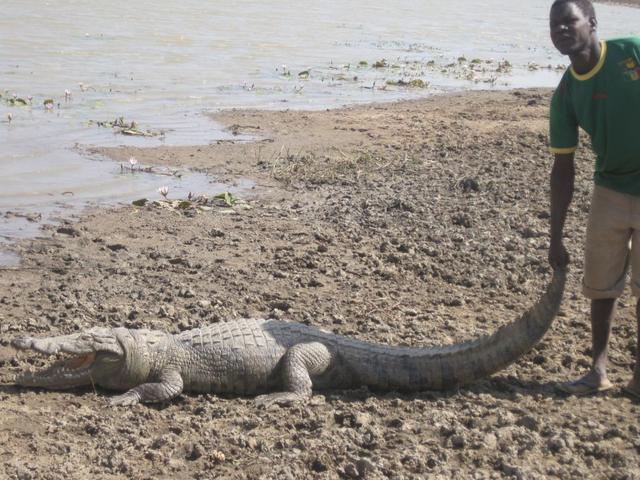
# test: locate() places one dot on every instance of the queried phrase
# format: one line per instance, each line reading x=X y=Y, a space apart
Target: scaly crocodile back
x=389 y=367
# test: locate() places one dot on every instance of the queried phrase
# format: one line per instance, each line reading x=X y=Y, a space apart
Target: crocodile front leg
x=168 y=388
x=298 y=365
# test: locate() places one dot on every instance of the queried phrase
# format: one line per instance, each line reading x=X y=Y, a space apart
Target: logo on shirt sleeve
x=630 y=68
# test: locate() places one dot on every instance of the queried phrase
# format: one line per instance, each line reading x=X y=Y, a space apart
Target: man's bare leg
x=633 y=387
x=602 y=313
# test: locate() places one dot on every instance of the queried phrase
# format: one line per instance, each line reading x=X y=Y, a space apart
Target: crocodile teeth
x=60 y=371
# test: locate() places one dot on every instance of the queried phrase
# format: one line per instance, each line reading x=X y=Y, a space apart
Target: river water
x=165 y=63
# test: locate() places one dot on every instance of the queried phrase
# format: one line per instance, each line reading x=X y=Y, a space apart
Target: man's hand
x=558 y=255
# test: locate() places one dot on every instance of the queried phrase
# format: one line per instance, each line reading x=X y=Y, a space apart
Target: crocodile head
x=96 y=356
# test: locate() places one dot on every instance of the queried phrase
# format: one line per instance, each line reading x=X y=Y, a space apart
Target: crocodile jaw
x=90 y=355
x=63 y=374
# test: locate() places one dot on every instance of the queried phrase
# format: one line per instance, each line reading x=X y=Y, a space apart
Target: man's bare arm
x=562 y=184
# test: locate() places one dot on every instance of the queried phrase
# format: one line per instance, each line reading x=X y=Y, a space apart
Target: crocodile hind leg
x=298 y=365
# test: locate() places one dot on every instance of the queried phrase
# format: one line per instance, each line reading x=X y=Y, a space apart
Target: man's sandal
x=582 y=387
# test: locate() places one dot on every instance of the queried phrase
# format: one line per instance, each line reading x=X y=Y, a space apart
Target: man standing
x=599 y=93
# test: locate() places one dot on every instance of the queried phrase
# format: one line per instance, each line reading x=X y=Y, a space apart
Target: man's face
x=571 y=29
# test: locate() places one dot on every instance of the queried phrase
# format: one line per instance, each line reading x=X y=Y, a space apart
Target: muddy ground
x=413 y=223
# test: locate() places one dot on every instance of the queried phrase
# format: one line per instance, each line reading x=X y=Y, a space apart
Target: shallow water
x=163 y=63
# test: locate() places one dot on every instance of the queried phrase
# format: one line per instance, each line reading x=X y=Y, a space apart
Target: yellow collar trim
x=597 y=68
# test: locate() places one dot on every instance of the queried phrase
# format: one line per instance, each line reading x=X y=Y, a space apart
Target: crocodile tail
x=467 y=362
x=435 y=368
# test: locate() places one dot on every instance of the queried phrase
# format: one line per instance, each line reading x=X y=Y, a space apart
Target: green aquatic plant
x=284 y=71
x=504 y=66
x=13 y=100
x=125 y=128
x=193 y=203
x=17 y=102
x=228 y=198
x=415 y=83
x=133 y=162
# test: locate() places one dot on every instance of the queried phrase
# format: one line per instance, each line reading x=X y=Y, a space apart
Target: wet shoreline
x=628 y=3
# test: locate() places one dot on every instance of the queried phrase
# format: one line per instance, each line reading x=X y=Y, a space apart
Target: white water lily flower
x=163 y=191
x=133 y=161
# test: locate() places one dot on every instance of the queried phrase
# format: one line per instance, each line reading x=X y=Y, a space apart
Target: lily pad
x=140 y=203
x=17 y=102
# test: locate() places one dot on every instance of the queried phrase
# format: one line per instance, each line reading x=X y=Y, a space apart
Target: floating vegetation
x=284 y=71
x=504 y=66
x=193 y=203
x=126 y=128
x=534 y=66
x=18 y=102
x=389 y=74
x=13 y=100
x=228 y=198
x=134 y=167
x=416 y=83
x=343 y=77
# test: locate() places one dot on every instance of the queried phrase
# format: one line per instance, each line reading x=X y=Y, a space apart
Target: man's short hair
x=584 y=5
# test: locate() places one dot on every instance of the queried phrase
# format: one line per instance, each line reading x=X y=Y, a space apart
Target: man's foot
x=632 y=389
x=587 y=385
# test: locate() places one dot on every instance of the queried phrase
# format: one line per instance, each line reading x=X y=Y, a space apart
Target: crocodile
x=280 y=360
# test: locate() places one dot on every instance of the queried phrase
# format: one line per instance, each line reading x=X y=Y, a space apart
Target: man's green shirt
x=605 y=103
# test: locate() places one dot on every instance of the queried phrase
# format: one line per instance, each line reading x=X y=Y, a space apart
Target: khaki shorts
x=613 y=242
